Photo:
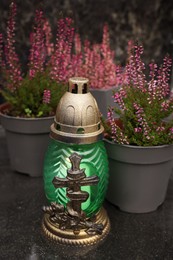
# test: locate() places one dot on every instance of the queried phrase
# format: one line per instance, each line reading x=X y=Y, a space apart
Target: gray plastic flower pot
x=104 y=99
x=27 y=141
x=139 y=176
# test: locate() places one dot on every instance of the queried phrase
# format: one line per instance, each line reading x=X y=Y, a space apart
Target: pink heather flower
x=163 y=75
x=61 y=60
x=130 y=47
x=38 y=48
x=77 y=58
x=140 y=115
x=2 y=63
x=98 y=62
x=158 y=86
x=135 y=69
x=46 y=96
x=106 y=39
x=118 y=98
x=138 y=129
x=171 y=130
x=152 y=84
x=12 y=65
x=31 y=73
x=48 y=35
x=107 y=63
x=116 y=133
x=77 y=42
x=160 y=129
x=121 y=76
x=165 y=105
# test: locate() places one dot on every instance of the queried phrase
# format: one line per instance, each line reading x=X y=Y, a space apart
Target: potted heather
x=97 y=63
x=32 y=97
x=140 y=142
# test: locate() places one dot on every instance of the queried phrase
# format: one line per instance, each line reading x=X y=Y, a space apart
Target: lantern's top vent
x=77 y=117
x=78 y=85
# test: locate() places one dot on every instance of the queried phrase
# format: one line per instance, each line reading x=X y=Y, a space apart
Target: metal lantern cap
x=77 y=118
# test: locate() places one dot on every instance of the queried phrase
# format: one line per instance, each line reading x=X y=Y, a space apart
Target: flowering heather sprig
x=145 y=106
x=46 y=96
x=135 y=69
x=116 y=132
x=152 y=84
x=163 y=76
x=160 y=129
x=61 y=60
x=121 y=76
x=98 y=63
x=165 y=105
x=48 y=37
x=140 y=115
x=37 y=52
x=118 y=98
x=13 y=69
x=138 y=129
x=170 y=133
x=24 y=94
x=88 y=59
x=77 y=58
x=2 y=63
x=158 y=86
x=105 y=40
x=107 y=63
x=130 y=47
x=77 y=43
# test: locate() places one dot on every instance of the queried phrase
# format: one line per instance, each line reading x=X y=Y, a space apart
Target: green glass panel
x=94 y=161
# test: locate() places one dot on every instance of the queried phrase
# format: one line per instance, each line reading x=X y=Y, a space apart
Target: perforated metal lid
x=77 y=117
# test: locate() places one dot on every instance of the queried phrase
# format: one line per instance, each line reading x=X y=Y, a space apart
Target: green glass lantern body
x=94 y=161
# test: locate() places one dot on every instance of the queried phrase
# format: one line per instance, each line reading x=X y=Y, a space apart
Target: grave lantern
x=76 y=170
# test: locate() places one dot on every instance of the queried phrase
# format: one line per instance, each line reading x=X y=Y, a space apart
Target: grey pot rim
x=138 y=146
x=103 y=89
x=26 y=125
x=26 y=118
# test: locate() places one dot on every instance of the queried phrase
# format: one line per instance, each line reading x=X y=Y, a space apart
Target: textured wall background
x=150 y=22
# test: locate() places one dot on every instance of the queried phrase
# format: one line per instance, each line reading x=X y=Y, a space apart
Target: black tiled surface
x=132 y=236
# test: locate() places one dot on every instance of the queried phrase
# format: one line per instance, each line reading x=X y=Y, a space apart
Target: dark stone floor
x=132 y=236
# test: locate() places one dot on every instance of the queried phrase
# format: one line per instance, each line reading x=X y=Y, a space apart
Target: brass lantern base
x=68 y=237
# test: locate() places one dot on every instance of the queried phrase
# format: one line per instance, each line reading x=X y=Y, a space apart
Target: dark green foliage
x=27 y=99
x=154 y=116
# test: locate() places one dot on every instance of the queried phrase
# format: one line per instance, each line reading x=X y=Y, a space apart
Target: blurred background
x=149 y=22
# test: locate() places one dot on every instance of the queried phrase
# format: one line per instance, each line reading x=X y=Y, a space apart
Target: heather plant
x=36 y=92
x=145 y=104
x=97 y=62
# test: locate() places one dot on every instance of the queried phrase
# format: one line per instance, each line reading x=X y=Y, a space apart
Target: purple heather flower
x=12 y=66
x=118 y=98
x=135 y=69
x=37 y=51
x=116 y=132
x=142 y=120
x=165 y=105
x=138 y=129
x=46 y=96
x=48 y=36
x=171 y=130
x=163 y=76
x=61 y=60
x=160 y=129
